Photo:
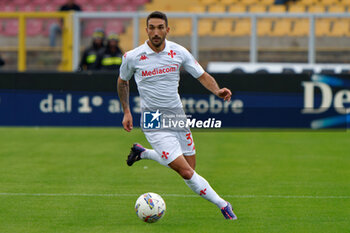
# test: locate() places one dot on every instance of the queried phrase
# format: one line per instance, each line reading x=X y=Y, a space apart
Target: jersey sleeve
x=191 y=65
x=126 y=68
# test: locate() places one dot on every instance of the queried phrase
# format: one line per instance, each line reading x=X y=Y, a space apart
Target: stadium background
x=279 y=39
x=280 y=173
x=230 y=37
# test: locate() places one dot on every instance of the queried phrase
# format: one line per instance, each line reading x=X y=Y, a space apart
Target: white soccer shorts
x=171 y=144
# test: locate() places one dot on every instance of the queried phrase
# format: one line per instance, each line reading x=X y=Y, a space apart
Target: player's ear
x=167 y=29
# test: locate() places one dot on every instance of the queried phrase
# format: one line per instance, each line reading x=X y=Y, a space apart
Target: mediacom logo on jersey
x=160 y=70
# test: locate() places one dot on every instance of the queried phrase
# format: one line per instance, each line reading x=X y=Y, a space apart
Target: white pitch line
x=168 y=195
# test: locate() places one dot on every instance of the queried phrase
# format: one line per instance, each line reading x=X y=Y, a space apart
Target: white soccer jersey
x=157 y=74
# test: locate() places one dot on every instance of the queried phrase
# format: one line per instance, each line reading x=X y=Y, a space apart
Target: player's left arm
x=209 y=82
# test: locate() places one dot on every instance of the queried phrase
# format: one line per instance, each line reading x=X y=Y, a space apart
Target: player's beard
x=157 y=44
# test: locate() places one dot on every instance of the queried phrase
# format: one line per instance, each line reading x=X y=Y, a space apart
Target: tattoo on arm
x=123 y=93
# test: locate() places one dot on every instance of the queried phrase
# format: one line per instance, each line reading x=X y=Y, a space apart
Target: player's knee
x=186 y=173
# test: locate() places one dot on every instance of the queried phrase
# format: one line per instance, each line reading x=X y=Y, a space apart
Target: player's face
x=157 y=31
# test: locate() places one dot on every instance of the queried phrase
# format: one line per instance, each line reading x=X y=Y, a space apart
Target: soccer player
x=156 y=68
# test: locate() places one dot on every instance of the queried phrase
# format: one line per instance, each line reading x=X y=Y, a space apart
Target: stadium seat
x=1 y=26
x=37 y=7
x=20 y=2
x=308 y=2
x=48 y=8
x=242 y=27
x=26 y=8
x=336 y=9
x=180 y=6
x=40 y=2
x=89 y=8
x=91 y=25
x=300 y=28
x=99 y=2
x=264 y=27
x=217 y=8
x=229 y=2
x=223 y=27
x=139 y=2
x=34 y=27
x=277 y=9
x=181 y=27
x=257 y=8
x=166 y=7
x=115 y=26
x=249 y=2
x=152 y=7
x=329 y=2
x=322 y=27
x=317 y=9
x=296 y=9
x=197 y=8
x=282 y=27
x=238 y=8
x=345 y=2
x=128 y=8
x=208 y=2
x=267 y=2
x=8 y=8
x=82 y=2
x=119 y=2
x=205 y=27
x=58 y=2
x=109 y=8
x=340 y=28
x=11 y=27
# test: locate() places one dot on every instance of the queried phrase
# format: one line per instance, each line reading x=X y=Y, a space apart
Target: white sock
x=200 y=186
x=151 y=154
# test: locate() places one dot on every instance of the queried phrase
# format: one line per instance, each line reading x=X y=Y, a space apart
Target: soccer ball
x=150 y=207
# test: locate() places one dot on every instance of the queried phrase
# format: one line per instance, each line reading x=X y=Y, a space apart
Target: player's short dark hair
x=158 y=15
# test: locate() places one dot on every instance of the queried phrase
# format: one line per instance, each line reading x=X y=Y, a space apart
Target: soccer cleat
x=228 y=212
x=135 y=154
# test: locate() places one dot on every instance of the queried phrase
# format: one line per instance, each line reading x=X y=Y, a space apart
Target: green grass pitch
x=73 y=180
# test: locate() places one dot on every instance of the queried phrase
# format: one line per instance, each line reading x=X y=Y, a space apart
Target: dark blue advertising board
x=259 y=100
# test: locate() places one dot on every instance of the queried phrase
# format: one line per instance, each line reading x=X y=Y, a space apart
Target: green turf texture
x=276 y=181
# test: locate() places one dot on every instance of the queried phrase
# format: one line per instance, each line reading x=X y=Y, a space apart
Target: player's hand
x=225 y=94
x=127 y=121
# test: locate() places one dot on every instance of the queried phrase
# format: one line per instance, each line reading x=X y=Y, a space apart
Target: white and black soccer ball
x=150 y=207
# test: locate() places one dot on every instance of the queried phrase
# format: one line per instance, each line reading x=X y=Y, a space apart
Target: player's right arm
x=196 y=70
x=125 y=74
x=123 y=93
